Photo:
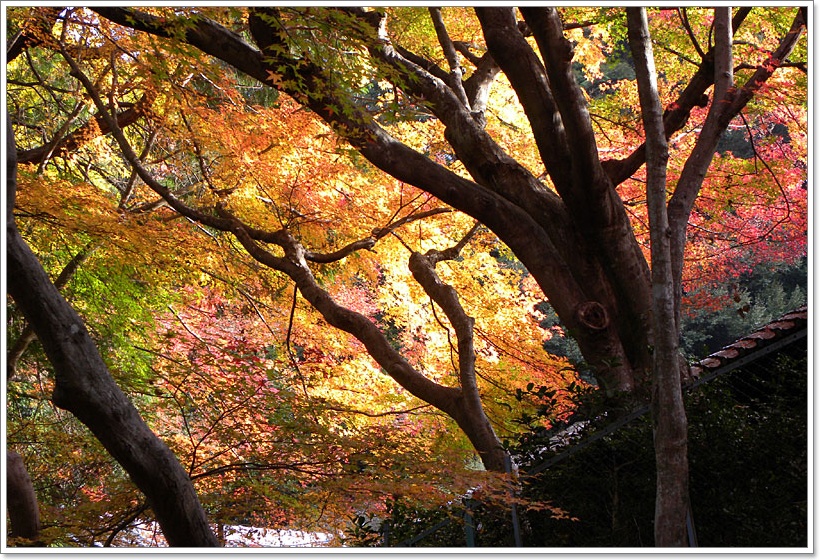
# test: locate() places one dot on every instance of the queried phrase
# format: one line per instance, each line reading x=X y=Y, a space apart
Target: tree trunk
x=572 y=232
x=84 y=387
x=668 y=414
x=21 y=502
x=18 y=349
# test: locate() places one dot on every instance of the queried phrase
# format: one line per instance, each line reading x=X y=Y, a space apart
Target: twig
x=287 y=341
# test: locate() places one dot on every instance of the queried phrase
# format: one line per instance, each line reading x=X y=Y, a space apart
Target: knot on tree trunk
x=593 y=315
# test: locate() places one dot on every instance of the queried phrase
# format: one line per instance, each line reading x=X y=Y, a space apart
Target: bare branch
x=684 y=17
x=456 y=70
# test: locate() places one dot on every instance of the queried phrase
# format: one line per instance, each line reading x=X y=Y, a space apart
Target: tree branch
x=669 y=418
x=684 y=17
x=28 y=335
x=677 y=113
x=529 y=79
x=423 y=269
x=456 y=70
x=84 y=386
x=557 y=52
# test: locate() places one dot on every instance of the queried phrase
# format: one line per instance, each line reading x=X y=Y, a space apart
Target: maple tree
x=440 y=154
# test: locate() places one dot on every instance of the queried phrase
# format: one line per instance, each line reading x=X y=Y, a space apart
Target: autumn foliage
x=232 y=252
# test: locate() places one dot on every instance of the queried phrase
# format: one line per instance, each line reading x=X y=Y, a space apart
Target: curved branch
x=122 y=525
x=84 y=386
x=28 y=335
x=377 y=345
x=471 y=416
x=684 y=17
x=369 y=242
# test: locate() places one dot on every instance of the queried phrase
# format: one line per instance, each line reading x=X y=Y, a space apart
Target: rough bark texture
x=84 y=387
x=578 y=243
x=668 y=414
x=18 y=349
x=21 y=502
x=575 y=240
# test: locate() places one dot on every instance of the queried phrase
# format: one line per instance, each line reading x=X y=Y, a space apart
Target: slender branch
x=133 y=159
x=296 y=466
x=128 y=189
x=684 y=17
x=423 y=269
x=59 y=136
x=456 y=70
x=375 y=414
x=122 y=525
x=294 y=362
x=759 y=158
x=679 y=54
x=802 y=66
x=369 y=242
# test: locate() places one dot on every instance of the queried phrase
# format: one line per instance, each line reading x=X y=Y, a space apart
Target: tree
x=562 y=210
x=24 y=516
x=669 y=416
x=85 y=387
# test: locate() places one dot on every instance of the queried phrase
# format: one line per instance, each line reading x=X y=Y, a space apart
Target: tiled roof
x=793 y=323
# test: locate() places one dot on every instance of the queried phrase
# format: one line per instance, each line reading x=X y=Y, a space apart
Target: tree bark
x=668 y=414
x=721 y=113
x=469 y=411
x=21 y=501
x=576 y=240
x=84 y=387
x=28 y=335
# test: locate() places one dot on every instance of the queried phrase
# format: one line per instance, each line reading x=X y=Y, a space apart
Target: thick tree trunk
x=576 y=240
x=668 y=414
x=84 y=387
x=18 y=349
x=21 y=502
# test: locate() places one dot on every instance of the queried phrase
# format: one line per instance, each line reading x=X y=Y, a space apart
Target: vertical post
x=385 y=528
x=469 y=523
x=690 y=528
x=515 y=521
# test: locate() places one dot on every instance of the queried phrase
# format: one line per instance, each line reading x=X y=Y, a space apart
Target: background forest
x=323 y=260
